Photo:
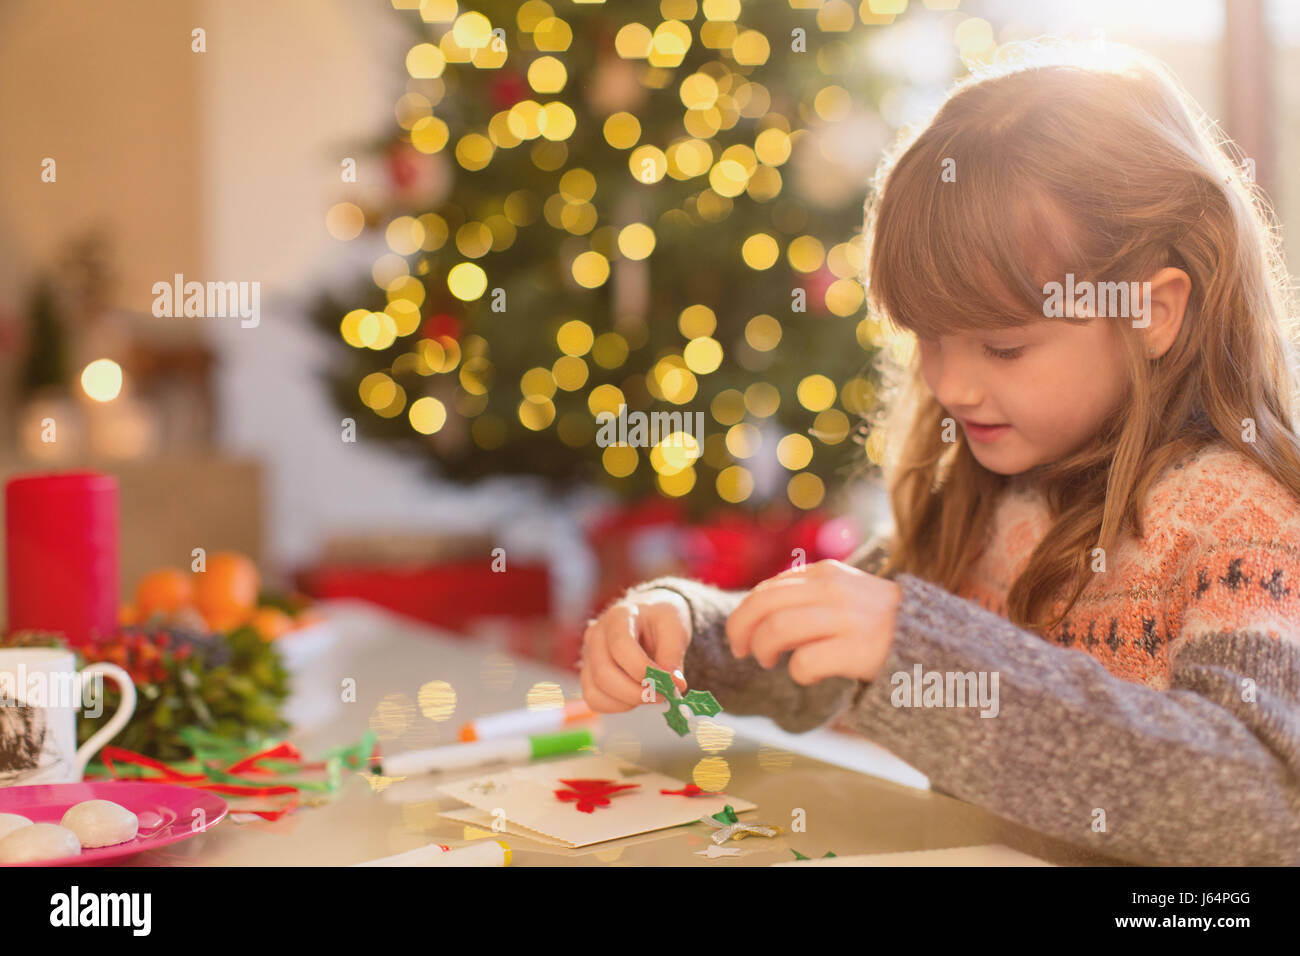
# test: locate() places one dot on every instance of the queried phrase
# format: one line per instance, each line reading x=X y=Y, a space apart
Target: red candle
x=61 y=554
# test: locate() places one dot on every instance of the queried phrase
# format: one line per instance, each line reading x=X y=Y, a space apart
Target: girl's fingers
x=624 y=644
x=818 y=660
x=766 y=597
x=666 y=639
x=607 y=673
x=787 y=628
x=596 y=698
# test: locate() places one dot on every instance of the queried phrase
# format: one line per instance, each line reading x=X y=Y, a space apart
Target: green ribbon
x=213 y=752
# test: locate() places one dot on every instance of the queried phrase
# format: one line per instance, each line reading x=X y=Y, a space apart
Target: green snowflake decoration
x=701 y=702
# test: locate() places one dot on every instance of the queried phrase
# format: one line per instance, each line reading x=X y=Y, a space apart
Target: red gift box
x=449 y=594
x=735 y=549
x=635 y=542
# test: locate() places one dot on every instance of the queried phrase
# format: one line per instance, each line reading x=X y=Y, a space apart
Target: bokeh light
x=101 y=380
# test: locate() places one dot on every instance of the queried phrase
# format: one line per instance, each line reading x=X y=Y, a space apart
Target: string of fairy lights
x=714 y=98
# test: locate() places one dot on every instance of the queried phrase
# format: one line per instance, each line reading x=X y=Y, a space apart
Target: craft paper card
x=483 y=821
x=994 y=854
x=527 y=797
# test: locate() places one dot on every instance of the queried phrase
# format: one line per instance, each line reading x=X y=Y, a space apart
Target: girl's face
x=1051 y=384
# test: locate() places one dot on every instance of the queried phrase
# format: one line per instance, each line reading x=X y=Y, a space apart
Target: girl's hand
x=838 y=621
x=650 y=628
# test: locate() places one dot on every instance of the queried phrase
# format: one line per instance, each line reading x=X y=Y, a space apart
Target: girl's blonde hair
x=1109 y=172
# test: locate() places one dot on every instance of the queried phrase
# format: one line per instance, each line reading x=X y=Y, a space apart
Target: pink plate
x=166 y=811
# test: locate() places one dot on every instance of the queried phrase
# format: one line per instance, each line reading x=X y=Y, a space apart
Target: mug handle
x=120 y=716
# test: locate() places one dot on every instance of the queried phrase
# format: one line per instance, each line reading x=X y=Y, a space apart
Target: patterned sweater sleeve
x=1206 y=772
x=742 y=686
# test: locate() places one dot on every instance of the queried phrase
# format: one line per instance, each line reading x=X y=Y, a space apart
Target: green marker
x=483 y=752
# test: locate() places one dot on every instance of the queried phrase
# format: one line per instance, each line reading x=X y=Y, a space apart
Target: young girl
x=1096 y=495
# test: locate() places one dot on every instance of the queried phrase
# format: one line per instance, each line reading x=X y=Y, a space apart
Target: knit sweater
x=1159 y=724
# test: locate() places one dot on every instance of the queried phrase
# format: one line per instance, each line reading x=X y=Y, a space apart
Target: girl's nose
x=954 y=382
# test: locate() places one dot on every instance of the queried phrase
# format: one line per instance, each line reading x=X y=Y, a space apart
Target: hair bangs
x=967 y=254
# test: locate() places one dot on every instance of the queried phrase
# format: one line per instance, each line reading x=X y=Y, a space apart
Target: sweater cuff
x=920 y=639
x=743 y=686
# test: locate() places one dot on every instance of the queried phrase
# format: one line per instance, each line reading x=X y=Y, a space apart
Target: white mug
x=40 y=694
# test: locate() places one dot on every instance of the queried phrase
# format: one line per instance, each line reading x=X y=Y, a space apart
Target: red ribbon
x=690 y=790
x=167 y=774
x=591 y=794
x=281 y=751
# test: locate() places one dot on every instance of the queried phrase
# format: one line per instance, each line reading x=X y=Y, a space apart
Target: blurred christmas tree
x=633 y=203
x=46 y=362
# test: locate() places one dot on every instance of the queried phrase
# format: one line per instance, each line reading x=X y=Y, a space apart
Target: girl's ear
x=1170 y=289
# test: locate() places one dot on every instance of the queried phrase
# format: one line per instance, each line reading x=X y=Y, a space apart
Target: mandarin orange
x=165 y=590
x=226 y=593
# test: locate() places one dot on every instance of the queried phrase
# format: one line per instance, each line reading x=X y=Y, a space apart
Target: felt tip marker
x=484 y=853
x=515 y=722
x=461 y=756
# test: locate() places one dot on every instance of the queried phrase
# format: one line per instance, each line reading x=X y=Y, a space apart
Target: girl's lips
x=984 y=432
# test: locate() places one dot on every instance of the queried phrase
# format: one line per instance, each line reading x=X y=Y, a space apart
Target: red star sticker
x=591 y=794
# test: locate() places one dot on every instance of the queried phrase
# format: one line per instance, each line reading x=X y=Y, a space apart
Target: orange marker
x=514 y=723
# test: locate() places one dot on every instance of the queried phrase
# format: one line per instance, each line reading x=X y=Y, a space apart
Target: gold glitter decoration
x=437 y=700
x=774 y=759
x=378 y=782
x=392 y=716
x=544 y=695
x=713 y=738
x=712 y=773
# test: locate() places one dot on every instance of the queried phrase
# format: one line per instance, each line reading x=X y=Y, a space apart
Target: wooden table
x=391 y=658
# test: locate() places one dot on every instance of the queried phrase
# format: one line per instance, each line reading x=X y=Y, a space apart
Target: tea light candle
x=61 y=552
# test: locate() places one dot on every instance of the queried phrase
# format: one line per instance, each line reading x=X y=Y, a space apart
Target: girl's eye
x=1005 y=354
